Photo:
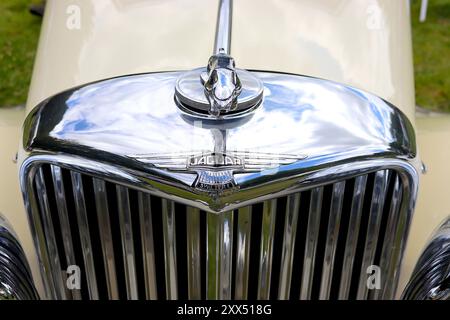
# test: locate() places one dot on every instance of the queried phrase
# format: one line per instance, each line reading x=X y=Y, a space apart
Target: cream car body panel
x=366 y=44
x=11 y=202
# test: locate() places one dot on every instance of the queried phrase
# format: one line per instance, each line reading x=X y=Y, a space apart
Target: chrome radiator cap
x=190 y=95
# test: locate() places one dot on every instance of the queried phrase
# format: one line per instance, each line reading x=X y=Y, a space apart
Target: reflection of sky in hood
x=127 y=115
x=299 y=115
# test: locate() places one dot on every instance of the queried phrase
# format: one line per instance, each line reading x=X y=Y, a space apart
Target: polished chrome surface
x=170 y=255
x=61 y=204
x=373 y=229
x=55 y=265
x=219 y=256
x=391 y=229
x=221 y=82
x=126 y=230
x=296 y=235
x=431 y=276
x=242 y=262
x=148 y=250
x=222 y=42
x=126 y=119
x=305 y=133
x=266 y=250
x=287 y=256
x=16 y=282
x=193 y=253
x=352 y=237
x=101 y=203
x=332 y=239
x=32 y=206
x=312 y=235
x=192 y=100
x=85 y=236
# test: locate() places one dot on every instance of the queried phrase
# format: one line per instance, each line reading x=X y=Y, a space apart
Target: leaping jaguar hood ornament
x=219 y=90
x=222 y=84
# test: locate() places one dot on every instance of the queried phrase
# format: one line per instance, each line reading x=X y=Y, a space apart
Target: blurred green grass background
x=431 y=46
x=19 y=33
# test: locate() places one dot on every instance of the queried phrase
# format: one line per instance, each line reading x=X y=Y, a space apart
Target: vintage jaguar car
x=270 y=151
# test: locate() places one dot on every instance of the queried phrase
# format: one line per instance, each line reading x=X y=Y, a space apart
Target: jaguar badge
x=215 y=160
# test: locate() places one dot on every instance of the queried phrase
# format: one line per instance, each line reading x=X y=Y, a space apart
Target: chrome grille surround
x=113 y=132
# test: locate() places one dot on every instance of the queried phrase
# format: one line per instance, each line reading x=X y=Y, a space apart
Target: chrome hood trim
x=305 y=131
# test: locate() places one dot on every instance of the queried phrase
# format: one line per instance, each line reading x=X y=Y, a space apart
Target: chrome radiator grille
x=314 y=244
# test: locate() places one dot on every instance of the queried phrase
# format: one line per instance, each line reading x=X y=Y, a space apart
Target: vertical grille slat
x=401 y=235
x=219 y=255
x=126 y=230
x=194 y=254
x=39 y=240
x=54 y=258
x=375 y=215
x=313 y=244
x=148 y=251
x=170 y=255
x=352 y=236
x=60 y=197
x=85 y=238
x=290 y=229
x=243 y=252
x=101 y=203
x=266 y=250
x=392 y=224
x=332 y=239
